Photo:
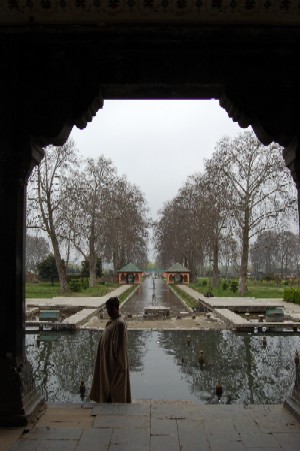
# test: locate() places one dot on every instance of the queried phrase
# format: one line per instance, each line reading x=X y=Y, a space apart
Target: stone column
x=18 y=395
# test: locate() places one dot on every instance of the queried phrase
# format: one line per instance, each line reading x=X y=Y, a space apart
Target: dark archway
x=56 y=72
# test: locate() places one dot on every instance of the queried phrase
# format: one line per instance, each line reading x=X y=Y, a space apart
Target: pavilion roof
x=130 y=267
x=177 y=267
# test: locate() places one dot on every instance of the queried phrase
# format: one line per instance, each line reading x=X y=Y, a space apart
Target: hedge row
x=292 y=295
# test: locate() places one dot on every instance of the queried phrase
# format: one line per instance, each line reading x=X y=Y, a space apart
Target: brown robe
x=111 y=373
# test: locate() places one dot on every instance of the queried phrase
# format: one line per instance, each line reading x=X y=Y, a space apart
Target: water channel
x=153 y=292
x=164 y=366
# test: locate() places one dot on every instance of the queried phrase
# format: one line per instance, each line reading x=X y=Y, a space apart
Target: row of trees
x=84 y=205
x=276 y=252
x=245 y=190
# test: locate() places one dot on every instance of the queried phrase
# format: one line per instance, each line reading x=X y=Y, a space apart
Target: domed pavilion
x=177 y=274
x=130 y=274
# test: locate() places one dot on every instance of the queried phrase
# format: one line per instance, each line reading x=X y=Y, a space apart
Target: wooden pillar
x=44 y=91
x=18 y=395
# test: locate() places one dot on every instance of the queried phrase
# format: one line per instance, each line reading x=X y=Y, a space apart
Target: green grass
x=255 y=290
x=126 y=293
x=47 y=290
x=265 y=292
x=191 y=302
x=97 y=291
x=42 y=290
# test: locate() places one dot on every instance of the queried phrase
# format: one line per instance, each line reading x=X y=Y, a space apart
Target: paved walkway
x=87 y=305
x=157 y=426
x=75 y=301
x=216 y=302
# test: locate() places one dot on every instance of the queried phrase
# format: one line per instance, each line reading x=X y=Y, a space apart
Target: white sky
x=156 y=144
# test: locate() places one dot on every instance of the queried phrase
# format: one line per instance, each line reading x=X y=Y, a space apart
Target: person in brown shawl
x=111 y=374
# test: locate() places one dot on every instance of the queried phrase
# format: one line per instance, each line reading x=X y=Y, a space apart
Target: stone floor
x=157 y=426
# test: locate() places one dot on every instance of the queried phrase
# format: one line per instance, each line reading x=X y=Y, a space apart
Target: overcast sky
x=156 y=144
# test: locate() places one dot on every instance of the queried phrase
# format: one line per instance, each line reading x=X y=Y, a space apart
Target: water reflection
x=165 y=366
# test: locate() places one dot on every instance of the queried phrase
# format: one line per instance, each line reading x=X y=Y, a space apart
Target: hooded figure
x=111 y=374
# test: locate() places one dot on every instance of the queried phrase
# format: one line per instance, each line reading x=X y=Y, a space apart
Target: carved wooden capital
x=45 y=90
x=271 y=110
x=291 y=156
x=17 y=159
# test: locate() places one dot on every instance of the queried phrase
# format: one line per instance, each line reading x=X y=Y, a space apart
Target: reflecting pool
x=164 y=366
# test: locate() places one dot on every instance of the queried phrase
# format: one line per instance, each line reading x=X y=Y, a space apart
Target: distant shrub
x=268 y=277
x=204 y=282
x=277 y=279
x=85 y=283
x=75 y=285
x=234 y=286
x=225 y=285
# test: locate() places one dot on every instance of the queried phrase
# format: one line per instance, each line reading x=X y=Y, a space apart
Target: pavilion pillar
x=18 y=395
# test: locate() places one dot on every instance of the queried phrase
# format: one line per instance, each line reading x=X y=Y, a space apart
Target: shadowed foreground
x=158 y=426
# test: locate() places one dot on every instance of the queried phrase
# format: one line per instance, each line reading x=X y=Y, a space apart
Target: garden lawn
x=41 y=290
x=259 y=291
x=47 y=290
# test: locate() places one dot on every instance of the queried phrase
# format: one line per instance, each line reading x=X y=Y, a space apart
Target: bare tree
x=261 y=185
x=264 y=251
x=166 y=235
x=288 y=251
x=37 y=248
x=127 y=226
x=46 y=197
x=246 y=188
x=194 y=222
x=276 y=251
x=107 y=216
x=229 y=254
x=89 y=191
x=216 y=222
x=180 y=231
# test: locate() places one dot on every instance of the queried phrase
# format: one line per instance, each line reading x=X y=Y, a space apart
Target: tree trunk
x=61 y=267
x=286 y=265
x=50 y=228
x=92 y=258
x=268 y=263
x=281 y=268
x=93 y=277
x=114 y=259
x=245 y=256
x=215 y=268
x=192 y=268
